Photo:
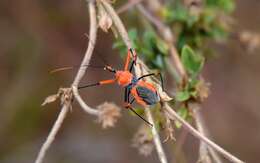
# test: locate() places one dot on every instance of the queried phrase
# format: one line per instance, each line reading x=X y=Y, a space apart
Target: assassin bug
x=144 y=93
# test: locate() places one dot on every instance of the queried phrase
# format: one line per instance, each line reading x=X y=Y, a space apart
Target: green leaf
x=182 y=96
x=182 y=112
x=191 y=61
x=158 y=61
x=162 y=46
x=118 y=44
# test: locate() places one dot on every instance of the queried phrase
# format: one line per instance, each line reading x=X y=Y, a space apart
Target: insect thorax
x=133 y=83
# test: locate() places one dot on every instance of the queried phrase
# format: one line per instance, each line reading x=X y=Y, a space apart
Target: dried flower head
x=143 y=140
x=105 y=21
x=250 y=40
x=203 y=89
x=163 y=95
x=195 y=6
x=65 y=95
x=168 y=128
x=109 y=114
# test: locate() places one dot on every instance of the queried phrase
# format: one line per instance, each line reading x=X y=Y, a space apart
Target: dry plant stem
x=156 y=137
x=86 y=60
x=80 y=74
x=198 y=135
x=203 y=150
x=118 y=23
x=52 y=134
x=127 y=6
x=168 y=37
x=203 y=147
x=123 y=33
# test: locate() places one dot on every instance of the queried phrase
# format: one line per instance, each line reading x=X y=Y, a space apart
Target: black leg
x=132 y=66
x=90 y=85
x=154 y=74
x=128 y=106
x=132 y=101
x=126 y=93
x=140 y=116
x=134 y=60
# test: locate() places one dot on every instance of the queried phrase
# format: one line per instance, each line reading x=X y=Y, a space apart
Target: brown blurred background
x=37 y=36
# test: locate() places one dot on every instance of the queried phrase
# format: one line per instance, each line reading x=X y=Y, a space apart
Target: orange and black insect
x=144 y=93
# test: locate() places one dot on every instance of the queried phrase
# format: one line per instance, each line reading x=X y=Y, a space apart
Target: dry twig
x=78 y=77
x=201 y=137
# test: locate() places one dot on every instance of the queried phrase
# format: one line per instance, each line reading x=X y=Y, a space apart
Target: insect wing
x=147 y=95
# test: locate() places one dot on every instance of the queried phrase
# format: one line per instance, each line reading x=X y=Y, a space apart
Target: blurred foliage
x=151 y=48
x=192 y=30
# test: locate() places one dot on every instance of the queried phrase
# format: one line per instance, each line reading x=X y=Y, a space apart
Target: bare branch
x=203 y=130
x=156 y=137
x=201 y=137
x=66 y=106
x=127 y=6
x=52 y=134
x=86 y=60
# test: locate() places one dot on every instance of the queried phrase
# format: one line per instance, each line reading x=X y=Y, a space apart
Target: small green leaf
x=191 y=61
x=162 y=46
x=183 y=112
x=118 y=44
x=182 y=96
x=158 y=61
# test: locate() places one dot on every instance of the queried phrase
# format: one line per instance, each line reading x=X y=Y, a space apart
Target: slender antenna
x=140 y=117
x=99 y=54
x=72 y=67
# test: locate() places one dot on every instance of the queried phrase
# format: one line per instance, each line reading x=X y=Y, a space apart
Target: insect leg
x=129 y=53
x=102 y=82
x=154 y=74
x=127 y=60
x=130 y=107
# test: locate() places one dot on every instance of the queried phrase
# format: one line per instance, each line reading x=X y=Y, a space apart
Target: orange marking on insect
x=147 y=85
x=123 y=78
x=107 y=81
x=136 y=96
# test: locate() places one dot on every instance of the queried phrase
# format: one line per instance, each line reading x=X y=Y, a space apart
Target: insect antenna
x=73 y=67
x=140 y=117
x=98 y=53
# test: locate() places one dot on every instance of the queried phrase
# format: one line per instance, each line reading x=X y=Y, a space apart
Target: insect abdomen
x=148 y=96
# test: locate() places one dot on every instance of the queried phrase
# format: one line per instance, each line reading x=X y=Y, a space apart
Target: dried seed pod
x=143 y=140
x=109 y=114
x=250 y=40
x=195 y=6
x=203 y=89
x=105 y=21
